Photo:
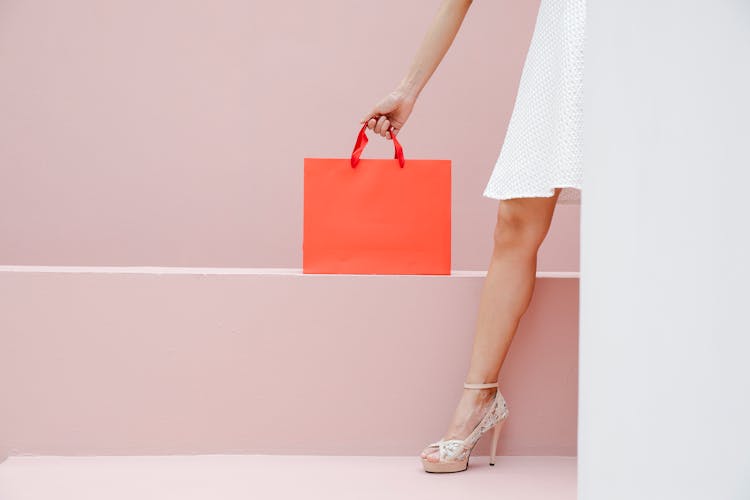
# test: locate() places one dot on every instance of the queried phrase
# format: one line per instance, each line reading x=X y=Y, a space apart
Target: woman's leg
x=522 y=225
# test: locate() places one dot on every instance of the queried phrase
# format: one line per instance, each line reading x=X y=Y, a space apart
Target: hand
x=392 y=110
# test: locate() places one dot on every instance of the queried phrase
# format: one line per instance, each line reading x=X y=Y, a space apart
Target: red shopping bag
x=376 y=216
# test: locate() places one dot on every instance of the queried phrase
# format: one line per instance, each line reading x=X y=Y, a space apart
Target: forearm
x=436 y=43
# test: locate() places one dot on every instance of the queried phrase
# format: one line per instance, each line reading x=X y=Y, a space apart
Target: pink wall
x=172 y=133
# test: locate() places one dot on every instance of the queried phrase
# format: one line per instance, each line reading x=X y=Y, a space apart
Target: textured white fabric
x=542 y=147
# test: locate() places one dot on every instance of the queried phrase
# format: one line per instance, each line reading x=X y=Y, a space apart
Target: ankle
x=481 y=379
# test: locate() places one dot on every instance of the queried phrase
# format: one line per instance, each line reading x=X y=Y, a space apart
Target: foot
x=472 y=407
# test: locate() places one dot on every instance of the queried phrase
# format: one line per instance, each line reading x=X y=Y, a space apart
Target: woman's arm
x=436 y=43
x=395 y=108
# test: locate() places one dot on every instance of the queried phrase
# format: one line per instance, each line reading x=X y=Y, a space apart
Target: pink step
x=121 y=361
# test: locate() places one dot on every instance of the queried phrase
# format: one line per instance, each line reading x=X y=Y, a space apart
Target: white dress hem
x=510 y=196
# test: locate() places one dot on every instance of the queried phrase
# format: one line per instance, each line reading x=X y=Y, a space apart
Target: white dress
x=542 y=147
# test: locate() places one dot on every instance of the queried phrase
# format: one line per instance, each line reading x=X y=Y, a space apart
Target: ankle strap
x=480 y=386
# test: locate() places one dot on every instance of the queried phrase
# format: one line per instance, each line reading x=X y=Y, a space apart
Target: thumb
x=382 y=108
x=368 y=116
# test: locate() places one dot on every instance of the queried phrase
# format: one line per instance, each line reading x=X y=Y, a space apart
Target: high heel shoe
x=454 y=453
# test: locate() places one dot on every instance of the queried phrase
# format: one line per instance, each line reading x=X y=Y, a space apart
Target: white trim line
x=262 y=271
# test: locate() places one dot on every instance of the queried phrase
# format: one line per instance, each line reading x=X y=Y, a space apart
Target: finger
x=371 y=123
x=378 y=121
x=379 y=125
x=385 y=127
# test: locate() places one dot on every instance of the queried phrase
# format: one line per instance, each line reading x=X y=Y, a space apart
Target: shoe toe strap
x=450 y=449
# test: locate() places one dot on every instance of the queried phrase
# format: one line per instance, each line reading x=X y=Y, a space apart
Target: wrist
x=408 y=90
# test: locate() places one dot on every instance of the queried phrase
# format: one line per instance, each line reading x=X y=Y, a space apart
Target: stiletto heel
x=455 y=453
x=495 y=435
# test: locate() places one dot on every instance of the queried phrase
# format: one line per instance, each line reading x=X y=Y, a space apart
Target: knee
x=520 y=226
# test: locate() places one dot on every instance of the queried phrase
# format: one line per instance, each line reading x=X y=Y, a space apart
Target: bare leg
x=522 y=224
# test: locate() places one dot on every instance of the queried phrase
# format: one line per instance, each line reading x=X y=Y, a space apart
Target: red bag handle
x=362 y=142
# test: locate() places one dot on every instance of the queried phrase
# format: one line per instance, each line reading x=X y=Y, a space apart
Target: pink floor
x=269 y=477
